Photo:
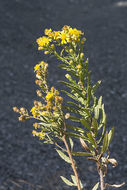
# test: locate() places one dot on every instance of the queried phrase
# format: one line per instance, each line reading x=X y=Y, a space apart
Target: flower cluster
x=67 y=35
x=50 y=111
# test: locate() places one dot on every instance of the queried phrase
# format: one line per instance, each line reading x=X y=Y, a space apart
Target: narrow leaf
x=74 y=118
x=74 y=181
x=96 y=186
x=96 y=86
x=91 y=139
x=95 y=126
x=100 y=102
x=85 y=123
x=63 y=156
x=88 y=94
x=110 y=135
x=71 y=143
x=105 y=143
x=96 y=112
x=67 y=181
x=74 y=128
x=76 y=135
x=81 y=154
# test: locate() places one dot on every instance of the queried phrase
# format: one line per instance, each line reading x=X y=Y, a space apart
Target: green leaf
x=91 y=139
x=76 y=135
x=105 y=143
x=96 y=186
x=71 y=96
x=71 y=143
x=96 y=112
x=88 y=95
x=74 y=87
x=95 y=126
x=71 y=109
x=100 y=102
x=103 y=115
x=67 y=181
x=74 y=181
x=103 y=131
x=110 y=135
x=74 y=118
x=63 y=156
x=89 y=79
x=48 y=124
x=81 y=154
x=74 y=128
x=96 y=86
x=85 y=123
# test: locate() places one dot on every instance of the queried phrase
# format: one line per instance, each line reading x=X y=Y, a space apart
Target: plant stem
x=102 y=185
x=72 y=162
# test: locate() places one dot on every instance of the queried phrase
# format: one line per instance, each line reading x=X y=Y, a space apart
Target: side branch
x=72 y=162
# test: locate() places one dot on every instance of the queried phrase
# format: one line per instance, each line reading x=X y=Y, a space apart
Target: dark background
x=25 y=163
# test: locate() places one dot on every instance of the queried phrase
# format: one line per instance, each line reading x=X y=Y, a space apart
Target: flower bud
x=23 y=110
x=22 y=118
x=46 y=52
x=79 y=66
x=15 y=109
x=71 y=50
x=59 y=99
x=39 y=93
x=67 y=115
x=52 y=46
x=82 y=55
x=71 y=62
x=36 y=125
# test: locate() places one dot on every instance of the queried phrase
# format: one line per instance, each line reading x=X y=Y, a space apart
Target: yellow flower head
x=34 y=111
x=48 y=31
x=43 y=41
x=63 y=37
x=55 y=92
x=56 y=35
x=49 y=96
x=35 y=133
x=39 y=65
x=79 y=66
x=59 y=99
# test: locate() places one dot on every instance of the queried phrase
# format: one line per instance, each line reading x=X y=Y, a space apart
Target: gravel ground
x=25 y=163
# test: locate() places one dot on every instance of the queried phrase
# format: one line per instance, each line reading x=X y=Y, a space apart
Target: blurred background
x=26 y=163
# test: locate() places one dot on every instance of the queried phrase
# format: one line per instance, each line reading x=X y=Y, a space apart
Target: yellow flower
x=49 y=96
x=55 y=92
x=37 y=67
x=59 y=99
x=63 y=37
x=79 y=66
x=35 y=133
x=41 y=135
x=34 y=112
x=56 y=35
x=43 y=41
x=47 y=31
